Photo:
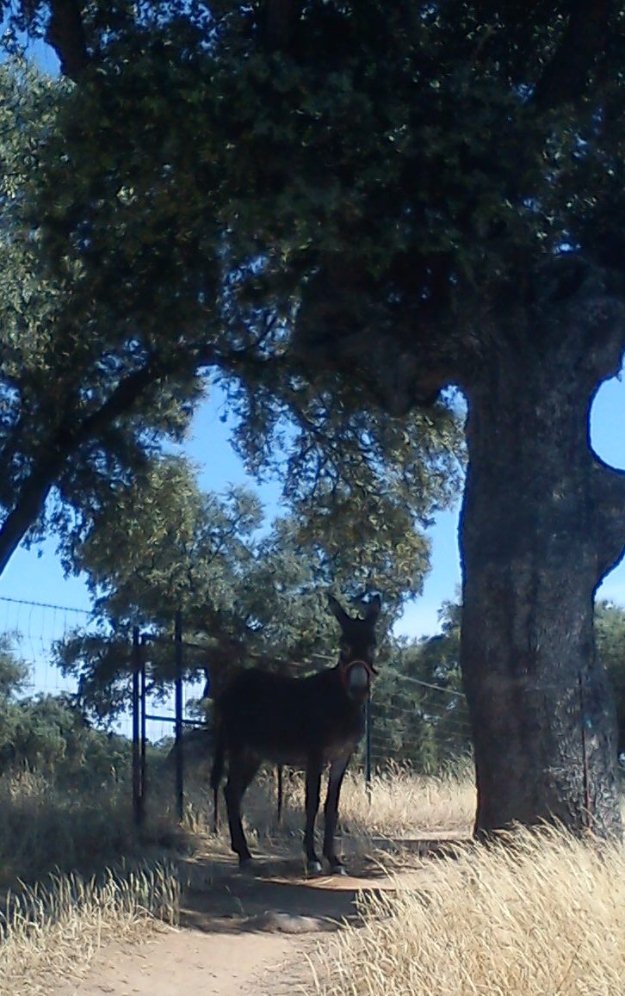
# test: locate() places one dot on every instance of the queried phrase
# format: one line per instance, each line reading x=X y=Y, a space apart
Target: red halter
x=345 y=668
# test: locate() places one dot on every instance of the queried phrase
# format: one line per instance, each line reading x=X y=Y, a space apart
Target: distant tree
x=161 y=546
x=14 y=672
x=419 y=710
x=245 y=594
x=49 y=734
x=610 y=629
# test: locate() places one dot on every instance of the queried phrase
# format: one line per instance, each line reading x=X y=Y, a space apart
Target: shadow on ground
x=275 y=896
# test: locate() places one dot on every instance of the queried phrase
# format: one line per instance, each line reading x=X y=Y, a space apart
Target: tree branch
x=583 y=43
x=72 y=432
x=66 y=35
x=401 y=354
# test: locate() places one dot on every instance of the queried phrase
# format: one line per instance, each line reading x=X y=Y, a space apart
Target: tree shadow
x=275 y=895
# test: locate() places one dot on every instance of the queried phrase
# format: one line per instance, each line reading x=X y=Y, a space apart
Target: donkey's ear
x=337 y=609
x=373 y=609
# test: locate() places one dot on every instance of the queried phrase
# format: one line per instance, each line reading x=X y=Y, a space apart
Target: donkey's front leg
x=331 y=810
x=240 y=774
x=313 y=786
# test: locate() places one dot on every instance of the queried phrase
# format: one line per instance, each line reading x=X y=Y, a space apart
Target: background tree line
x=416 y=721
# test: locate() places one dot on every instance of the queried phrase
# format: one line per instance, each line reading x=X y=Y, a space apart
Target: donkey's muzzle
x=357 y=676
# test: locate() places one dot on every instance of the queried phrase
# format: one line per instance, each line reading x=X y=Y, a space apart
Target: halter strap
x=345 y=668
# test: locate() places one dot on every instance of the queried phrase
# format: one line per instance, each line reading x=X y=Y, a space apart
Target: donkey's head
x=357 y=647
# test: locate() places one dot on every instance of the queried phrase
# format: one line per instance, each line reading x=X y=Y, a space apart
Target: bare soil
x=249 y=933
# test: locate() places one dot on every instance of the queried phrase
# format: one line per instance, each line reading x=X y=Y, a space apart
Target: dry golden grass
x=543 y=915
x=43 y=828
x=51 y=931
x=401 y=803
x=398 y=804
x=51 y=924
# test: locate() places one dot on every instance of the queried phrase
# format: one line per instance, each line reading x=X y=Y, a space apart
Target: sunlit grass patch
x=542 y=915
x=397 y=804
x=51 y=931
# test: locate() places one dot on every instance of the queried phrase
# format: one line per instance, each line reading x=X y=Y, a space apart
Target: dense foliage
x=49 y=735
x=344 y=208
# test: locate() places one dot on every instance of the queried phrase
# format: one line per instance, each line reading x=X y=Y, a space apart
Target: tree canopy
x=345 y=208
x=120 y=299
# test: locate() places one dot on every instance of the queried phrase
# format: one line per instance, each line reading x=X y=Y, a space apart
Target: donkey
x=305 y=722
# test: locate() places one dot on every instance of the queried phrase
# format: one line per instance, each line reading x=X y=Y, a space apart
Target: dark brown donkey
x=304 y=722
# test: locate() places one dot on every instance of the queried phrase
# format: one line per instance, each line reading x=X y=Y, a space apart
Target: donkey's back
x=286 y=720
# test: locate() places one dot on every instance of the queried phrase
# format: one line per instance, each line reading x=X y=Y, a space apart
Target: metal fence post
x=179 y=723
x=142 y=723
x=137 y=767
x=584 y=745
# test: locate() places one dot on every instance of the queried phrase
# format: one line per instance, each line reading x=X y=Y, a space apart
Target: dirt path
x=242 y=934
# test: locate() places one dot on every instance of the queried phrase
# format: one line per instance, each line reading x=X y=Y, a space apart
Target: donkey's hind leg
x=241 y=771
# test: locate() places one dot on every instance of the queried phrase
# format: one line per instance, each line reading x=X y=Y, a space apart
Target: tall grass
x=52 y=930
x=401 y=803
x=72 y=868
x=398 y=803
x=543 y=915
x=43 y=827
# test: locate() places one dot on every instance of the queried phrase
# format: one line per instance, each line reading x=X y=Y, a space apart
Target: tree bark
x=536 y=538
x=66 y=35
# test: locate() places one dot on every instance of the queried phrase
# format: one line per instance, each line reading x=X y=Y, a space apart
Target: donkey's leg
x=241 y=772
x=313 y=786
x=331 y=811
x=279 y=771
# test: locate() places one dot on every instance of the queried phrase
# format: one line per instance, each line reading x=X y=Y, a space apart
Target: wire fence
x=31 y=629
x=411 y=721
x=418 y=723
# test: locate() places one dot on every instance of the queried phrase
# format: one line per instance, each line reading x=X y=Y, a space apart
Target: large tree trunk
x=540 y=526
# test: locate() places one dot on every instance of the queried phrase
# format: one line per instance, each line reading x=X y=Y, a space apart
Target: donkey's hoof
x=246 y=864
x=338 y=870
x=314 y=867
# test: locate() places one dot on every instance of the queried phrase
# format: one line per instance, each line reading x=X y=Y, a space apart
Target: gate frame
x=140 y=717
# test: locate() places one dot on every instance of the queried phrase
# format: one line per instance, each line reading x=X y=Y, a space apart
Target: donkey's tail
x=217 y=771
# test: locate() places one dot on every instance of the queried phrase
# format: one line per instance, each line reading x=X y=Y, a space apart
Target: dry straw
x=541 y=915
x=51 y=931
x=398 y=803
